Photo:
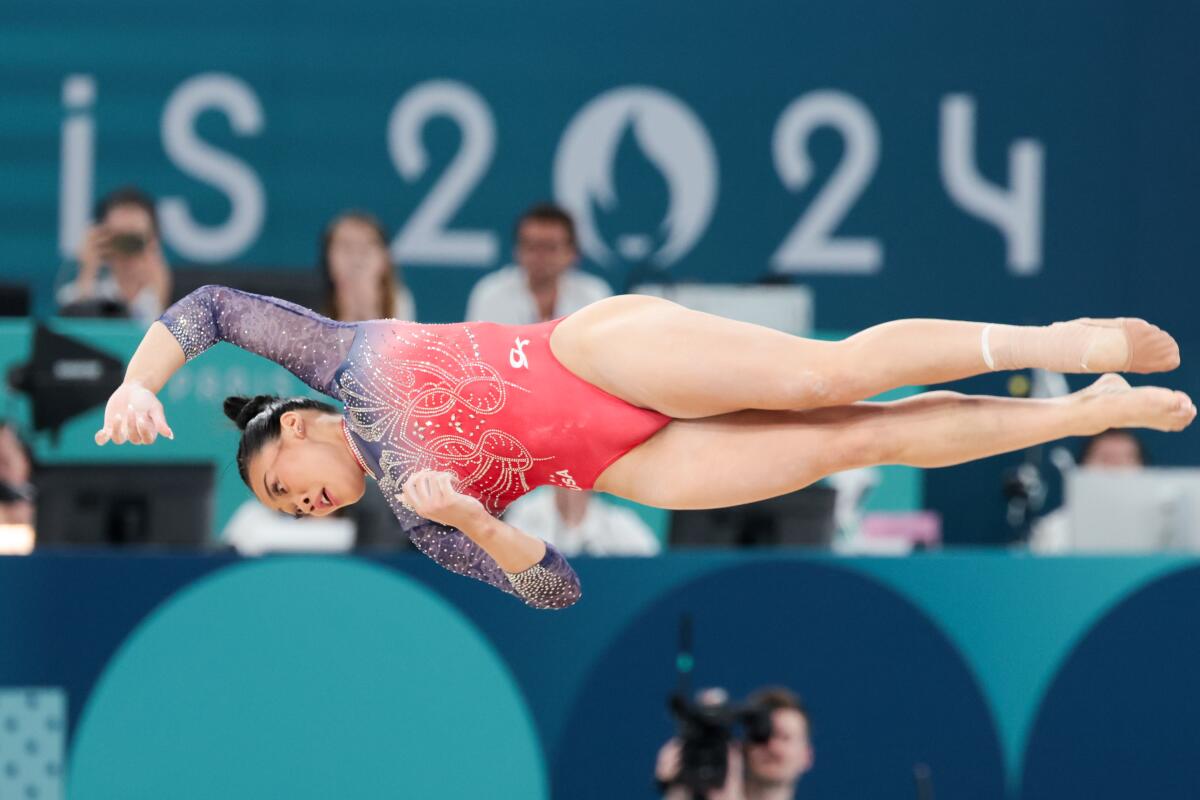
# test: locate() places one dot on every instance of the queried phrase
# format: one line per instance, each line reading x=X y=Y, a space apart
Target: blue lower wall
x=1010 y=676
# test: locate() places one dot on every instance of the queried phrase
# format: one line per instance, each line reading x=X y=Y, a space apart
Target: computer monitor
x=800 y=519
x=303 y=286
x=154 y=505
x=1132 y=510
x=14 y=300
x=64 y=378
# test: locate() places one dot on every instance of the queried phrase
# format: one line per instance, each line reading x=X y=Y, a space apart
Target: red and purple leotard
x=489 y=403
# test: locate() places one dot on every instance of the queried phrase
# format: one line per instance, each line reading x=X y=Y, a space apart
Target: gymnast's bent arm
x=458 y=533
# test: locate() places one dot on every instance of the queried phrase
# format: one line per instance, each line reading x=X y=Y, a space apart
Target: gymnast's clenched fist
x=432 y=495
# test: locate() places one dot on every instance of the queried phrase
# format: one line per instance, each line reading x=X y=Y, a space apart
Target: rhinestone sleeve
x=308 y=345
x=550 y=583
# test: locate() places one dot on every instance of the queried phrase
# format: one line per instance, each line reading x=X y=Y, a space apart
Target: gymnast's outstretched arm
x=307 y=344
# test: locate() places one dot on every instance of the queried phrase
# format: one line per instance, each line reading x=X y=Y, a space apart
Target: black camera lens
x=128 y=244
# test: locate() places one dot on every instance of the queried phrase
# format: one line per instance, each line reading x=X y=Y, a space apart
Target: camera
x=707 y=728
x=127 y=244
x=706 y=731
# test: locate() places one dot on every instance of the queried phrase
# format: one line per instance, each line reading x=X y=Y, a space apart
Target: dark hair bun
x=243 y=409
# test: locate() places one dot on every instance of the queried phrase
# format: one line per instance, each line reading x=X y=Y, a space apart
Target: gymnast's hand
x=432 y=495
x=133 y=415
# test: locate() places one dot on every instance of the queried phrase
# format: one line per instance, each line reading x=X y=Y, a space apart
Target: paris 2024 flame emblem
x=671 y=138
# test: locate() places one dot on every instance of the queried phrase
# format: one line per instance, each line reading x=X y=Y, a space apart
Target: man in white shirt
x=579 y=522
x=545 y=283
x=1117 y=448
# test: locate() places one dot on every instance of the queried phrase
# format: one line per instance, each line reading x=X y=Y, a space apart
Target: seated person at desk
x=581 y=523
x=546 y=283
x=361 y=283
x=137 y=283
x=369 y=524
x=1114 y=449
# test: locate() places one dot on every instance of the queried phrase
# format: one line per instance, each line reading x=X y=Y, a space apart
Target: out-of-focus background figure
x=546 y=281
x=360 y=280
x=122 y=272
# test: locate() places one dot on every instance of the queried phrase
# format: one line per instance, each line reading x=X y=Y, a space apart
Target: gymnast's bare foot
x=1111 y=402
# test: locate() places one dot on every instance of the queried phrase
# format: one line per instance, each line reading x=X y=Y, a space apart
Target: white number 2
x=425 y=239
x=810 y=246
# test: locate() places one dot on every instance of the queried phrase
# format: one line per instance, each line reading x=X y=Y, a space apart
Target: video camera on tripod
x=706 y=728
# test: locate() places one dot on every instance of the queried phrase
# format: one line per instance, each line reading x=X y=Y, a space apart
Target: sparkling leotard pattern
x=487 y=402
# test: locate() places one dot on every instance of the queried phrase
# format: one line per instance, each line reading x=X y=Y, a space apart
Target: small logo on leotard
x=517 y=357
x=568 y=482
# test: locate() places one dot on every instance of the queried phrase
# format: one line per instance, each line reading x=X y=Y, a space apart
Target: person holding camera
x=756 y=770
x=137 y=281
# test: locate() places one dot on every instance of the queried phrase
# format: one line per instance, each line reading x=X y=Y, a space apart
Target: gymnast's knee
x=837 y=379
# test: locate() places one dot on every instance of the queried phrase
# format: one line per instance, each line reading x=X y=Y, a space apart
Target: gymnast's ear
x=293 y=422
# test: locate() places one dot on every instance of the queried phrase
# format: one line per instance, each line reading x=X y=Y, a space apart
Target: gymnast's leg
x=687 y=364
x=751 y=455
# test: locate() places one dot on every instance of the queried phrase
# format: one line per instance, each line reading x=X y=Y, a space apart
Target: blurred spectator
x=361 y=283
x=16 y=479
x=369 y=524
x=769 y=770
x=137 y=281
x=255 y=529
x=579 y=522
x=545 y=283
x=1112 y=449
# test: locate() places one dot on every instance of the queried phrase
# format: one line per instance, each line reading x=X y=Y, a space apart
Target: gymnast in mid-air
x=632 y=395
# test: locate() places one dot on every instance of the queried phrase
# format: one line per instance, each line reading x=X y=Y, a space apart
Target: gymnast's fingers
x=160 y=422
x=443 y=487
x=143 y=428
x=415 y=491
x=120 y=430
x=406 y=499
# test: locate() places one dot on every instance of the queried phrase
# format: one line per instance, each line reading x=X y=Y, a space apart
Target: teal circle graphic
x=306 y=678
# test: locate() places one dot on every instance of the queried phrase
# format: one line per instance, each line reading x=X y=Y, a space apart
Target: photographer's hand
x=91 y=255
x=735 y=787
x=670 y=759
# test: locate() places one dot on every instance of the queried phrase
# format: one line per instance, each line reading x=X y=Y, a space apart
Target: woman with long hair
x=361 y=282
x=632 y=395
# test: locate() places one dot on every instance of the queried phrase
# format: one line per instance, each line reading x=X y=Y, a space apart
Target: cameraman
x=125 y=239
x=767 y=771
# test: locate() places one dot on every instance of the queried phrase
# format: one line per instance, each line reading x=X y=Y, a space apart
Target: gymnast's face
x=309 y=470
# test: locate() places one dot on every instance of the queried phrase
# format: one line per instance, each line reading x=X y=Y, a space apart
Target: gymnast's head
x=294 y=456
